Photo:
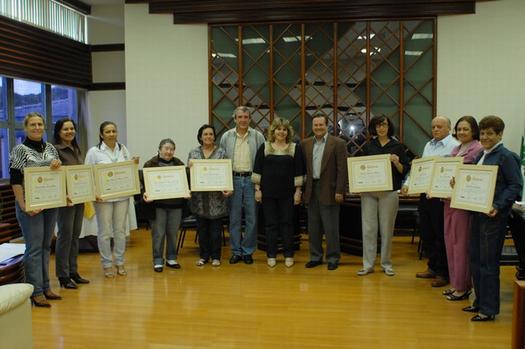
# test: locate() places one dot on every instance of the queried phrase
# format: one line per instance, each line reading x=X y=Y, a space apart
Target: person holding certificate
x=111 y=214
x=241 y=144
x=278 y=176
x=431 y=209
x=457 y=222
x=209 y=207
x=379 y=209
x=167 y=214
x=37 y=226
x=488 y=229
x=69 y=217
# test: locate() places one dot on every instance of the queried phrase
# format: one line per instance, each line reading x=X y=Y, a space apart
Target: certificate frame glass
x=221 y=167
x=421 y=175
x=361 y=171
x=474 y=187
x=444 y=169
x=35 y=196
x=159 y=192
x=102 y=172
x=80 y=183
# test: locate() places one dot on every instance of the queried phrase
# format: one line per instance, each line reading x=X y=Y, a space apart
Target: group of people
x=463 y=247
x=38 y=226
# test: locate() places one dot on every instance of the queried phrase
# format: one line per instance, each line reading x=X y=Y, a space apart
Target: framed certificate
x=369 y=173
x=80 y=183
x=421 y=175
x=474 y=188
x=166 y=182
x=444 y=170
x=116 y=180
x=44 y=188
x=211 y=175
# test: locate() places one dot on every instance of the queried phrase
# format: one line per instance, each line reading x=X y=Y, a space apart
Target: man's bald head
x=440 y=127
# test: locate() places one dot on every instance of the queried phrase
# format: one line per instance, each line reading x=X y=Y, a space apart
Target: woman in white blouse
x=111 y=214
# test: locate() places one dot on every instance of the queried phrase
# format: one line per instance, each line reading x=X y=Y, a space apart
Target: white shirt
x=104 y=155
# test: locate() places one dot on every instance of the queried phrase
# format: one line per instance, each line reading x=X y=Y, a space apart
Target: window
x=29 y=97
x=349 y=70
x=63 y=103
x=49 y=15
x=19 y=97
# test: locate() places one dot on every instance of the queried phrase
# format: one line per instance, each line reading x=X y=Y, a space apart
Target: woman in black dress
x=278 y=177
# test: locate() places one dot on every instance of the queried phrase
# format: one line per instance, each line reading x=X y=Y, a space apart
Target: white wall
x=106 y=26
x=480 y=68
x=166 y=81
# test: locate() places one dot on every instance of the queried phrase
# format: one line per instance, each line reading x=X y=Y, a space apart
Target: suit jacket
x=334 y=176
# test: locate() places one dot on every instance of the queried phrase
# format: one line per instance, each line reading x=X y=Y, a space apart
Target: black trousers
x=209 y=231
x=431 y=228
x=278 y=220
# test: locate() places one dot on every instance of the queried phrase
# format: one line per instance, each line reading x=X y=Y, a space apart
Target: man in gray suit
x=326 y=179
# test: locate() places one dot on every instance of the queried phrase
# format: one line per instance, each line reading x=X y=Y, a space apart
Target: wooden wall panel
x=31 y=53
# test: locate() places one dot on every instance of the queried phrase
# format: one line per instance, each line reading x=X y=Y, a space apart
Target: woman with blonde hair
x=278 y=176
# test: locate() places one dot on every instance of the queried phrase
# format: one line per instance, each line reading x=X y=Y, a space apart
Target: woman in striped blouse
x=38 y=225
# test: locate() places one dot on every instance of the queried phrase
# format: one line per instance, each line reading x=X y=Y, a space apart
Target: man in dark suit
x=326 y=179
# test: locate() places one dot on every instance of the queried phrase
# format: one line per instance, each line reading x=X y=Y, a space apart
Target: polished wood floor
x=252 y=306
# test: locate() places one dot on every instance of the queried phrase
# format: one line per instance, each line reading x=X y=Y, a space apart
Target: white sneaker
x=271 y=262
x=215 y=263
x=288 y=262
x=364 y=271
x=201 y=262
x=389 y=271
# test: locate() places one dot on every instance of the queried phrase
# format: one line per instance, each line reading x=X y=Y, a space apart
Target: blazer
x=333 y=178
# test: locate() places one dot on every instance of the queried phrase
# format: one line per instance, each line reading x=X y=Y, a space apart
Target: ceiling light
x=413 y=53
x=417 y=36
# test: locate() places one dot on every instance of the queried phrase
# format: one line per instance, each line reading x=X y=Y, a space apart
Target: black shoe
x=78 y=279
x=482 y=318
x=248 y=259
x=520 y=274
x=453 y=297
x=471 y=309
x=235 y=259
x=158 y=269
x=174 y=265
x=312 y=264
x=332 y=265
x=67 y=283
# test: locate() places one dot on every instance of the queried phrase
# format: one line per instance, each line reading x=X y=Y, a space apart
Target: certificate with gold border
x=44 y=188
x=444 y=169
x=80 y=183
x=474 y=187
x=116 y=180
x=421 y=175
x=211 y=175
x=167 y=182
x=369 y=173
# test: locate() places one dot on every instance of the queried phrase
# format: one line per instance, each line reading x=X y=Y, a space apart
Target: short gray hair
x=241 y=108
x=166 y=141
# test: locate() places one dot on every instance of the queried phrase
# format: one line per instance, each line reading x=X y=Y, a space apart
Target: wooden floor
x=252 y=306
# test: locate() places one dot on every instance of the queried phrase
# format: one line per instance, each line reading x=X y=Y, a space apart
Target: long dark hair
x=56 y=134
x=101 y=130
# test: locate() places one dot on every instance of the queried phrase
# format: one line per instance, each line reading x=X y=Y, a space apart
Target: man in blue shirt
x=431 y=210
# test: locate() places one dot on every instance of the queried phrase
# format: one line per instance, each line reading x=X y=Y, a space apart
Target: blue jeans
x=165 y=227
x=69 y=229
x=38 y=232
x=243 y=198
x=486 y=241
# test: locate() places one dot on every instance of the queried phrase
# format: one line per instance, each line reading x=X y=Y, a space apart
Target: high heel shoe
x=67 y=283
x=51 y=295
x=40 y=301
x=453 y=297
x=78 y=279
